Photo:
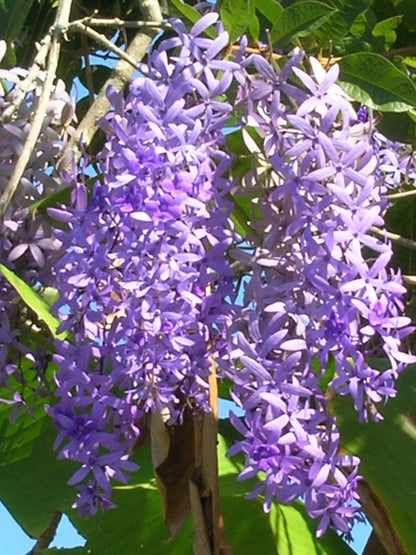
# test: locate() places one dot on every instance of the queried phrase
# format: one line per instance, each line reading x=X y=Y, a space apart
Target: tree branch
x=406 y=51
x=394 y=238
x=120 y=75
x=61 y=22
x=116 y=23
x=80 y=27
x=47 y=536
x=400 y=196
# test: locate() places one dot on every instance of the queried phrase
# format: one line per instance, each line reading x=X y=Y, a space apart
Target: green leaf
x=62 y=196
x=235 y=15
x=386 y=30
x=253 y=21
x=398 y=127
x=299 y=20
x=33 y=300
x=340 y=22
x=28 y=468
x=374 y=81
x=192 y=15
x=271 y=9
x=13 y=14
x=388 y=453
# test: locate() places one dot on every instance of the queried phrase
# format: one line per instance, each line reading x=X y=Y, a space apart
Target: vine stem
x=60 y=24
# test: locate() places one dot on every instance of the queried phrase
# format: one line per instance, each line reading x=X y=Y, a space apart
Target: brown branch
x=56 y=31
x=120 y=75
x=209 y=531
x=88 y=72
x=410 y=280
x=380 y=519
x=406 y=51
x=46 y=538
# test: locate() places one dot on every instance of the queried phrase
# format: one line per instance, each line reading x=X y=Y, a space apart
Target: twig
x=410 y=280
x=116 y=23
x=394 y=238
x=101 y=40
x=61 y=21
x=265 y=51
x=406 y=51
x=120 y=75
x=399 y=196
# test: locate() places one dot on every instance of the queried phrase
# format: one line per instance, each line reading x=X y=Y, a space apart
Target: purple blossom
x=319 y=291
x=145 y=275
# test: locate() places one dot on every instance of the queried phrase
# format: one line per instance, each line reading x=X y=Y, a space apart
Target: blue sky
x=14 y=541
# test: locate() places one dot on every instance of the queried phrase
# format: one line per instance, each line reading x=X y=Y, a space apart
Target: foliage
x=241 y=226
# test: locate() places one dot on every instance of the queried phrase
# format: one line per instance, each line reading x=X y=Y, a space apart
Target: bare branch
x=403 y=195
x=102 y=41
x=120 y=75
x=410 y=280
x=406 y=51
x=61 y=22
x=394 y=238
x=117 y=23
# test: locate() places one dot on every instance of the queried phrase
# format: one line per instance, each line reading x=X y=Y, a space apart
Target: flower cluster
x=142 y=264
x=319 y=295
x=27 y=242
x=145 y=274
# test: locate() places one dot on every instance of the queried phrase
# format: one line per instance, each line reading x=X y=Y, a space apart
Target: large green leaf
x=32 y=482
x=13 y=14
x=340 y=22
x=235 y=15
x=299 y=20
x=374 y=81
x=33 y=300
x=271 y=9
x=388 y=453
x=398 y=127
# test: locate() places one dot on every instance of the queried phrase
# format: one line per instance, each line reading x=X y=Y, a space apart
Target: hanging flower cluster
x=147 y=294
x=320 y=302
x=145 y=274
x=27 y=242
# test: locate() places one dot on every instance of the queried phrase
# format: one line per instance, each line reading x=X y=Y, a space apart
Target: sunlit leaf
x=374 y=81
x=33 y=300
